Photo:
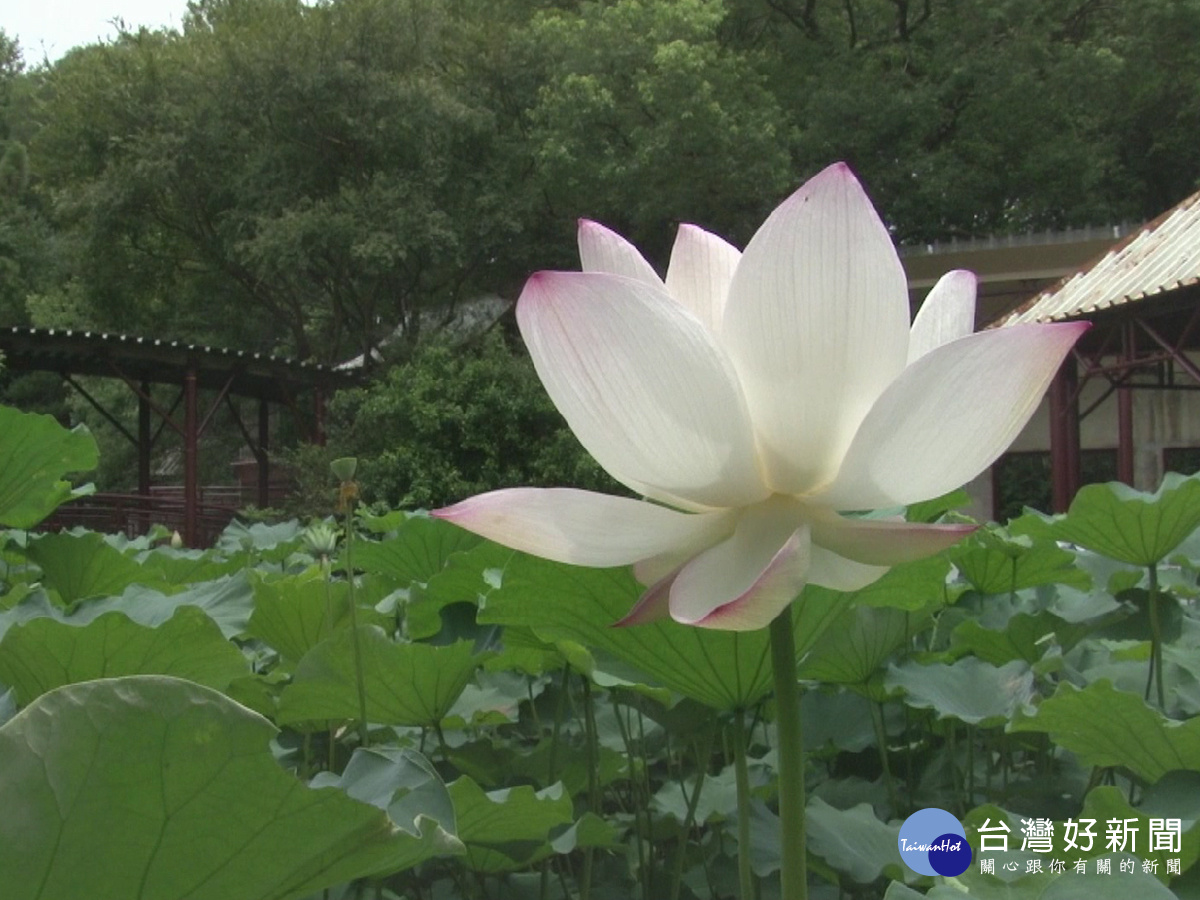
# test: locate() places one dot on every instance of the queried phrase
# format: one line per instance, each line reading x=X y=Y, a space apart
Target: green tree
x=278 y=176
x=457 y=420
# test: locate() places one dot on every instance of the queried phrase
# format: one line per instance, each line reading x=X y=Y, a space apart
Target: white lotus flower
x=752 y=398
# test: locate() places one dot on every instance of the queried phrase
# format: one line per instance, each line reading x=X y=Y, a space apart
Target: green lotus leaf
x=721 y=669
x=1132 y=526
x=860 y=643
x=417 y=550
x=1107 y=727
x=1024 y=637
x=507 y=829
x=995 y=564
x=401 y=782
x=45 y=653
x=406 y=684
x=35 y=453
x=227 y=600
x=157 y=788
x=81 y=566
x=854 y=841
x=296 y=612
x=970 y=689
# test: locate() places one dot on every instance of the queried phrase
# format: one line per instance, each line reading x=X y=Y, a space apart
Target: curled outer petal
x=949 y=415
x=745 y=581
x=581 y=527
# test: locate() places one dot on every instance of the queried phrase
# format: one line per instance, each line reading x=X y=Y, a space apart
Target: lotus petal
x=701 y=270
x=644 y=387
x=949 y=415
x=947 y=314
x=829 y=570
x=603 y=250
x=746 y=580
x=883 y=542
x=583 y=528
x=817 y=326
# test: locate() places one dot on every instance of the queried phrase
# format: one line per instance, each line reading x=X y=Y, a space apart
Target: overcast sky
x=52 y=27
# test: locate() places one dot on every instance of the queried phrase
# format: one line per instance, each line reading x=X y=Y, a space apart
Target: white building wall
x=1162 y=419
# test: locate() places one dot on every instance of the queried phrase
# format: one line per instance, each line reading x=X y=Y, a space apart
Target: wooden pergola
x=1143 y=300
x=141 y=362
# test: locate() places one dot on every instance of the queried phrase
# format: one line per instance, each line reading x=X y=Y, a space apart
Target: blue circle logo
x=933 y=842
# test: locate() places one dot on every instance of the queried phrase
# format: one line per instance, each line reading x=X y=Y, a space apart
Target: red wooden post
x=264 y=464
x=1064 y=435
x=1125 y=408
x=191 y=440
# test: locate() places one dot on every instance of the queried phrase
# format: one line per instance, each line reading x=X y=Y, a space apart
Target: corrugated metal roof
x=163 y=361
x=1162 y=256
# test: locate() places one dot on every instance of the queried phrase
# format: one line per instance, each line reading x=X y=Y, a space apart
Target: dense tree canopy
x=312 y=179
x=305 y=178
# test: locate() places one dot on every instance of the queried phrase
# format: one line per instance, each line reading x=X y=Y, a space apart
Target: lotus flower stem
x=877 y=722
x=363 y=734
x=703 y=752
x=794 y=869
x=742 y=775
x=1156 y=654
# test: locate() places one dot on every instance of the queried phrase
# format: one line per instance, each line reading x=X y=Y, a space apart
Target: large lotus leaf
x=1107 y=803
x=844 y=719
x=79 y=566
x=466 y=577
x=854 y=841
x=914 y=586
x=1107 y=727
x=970 y=689
x=1132 y=526
x=189 y=566
x=508 y=829
x=401 y=782
x=718 y=798
x=228 y=601
x=405 y=684
x=932 y=510
x=514 y=814
x=271 y=542
x=45 y=653
x=1022 y=638
x=996 y=564
x=721 y=669
x=34 y=605
x=35 y=453
x=860 y=643
x=416 y=551
x=157 y=788
x=296 y=612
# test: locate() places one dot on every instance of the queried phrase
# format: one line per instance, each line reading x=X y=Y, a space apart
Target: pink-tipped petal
x=745 y=581
x=771 y=593
x=644 y=386
x=880 y=542
x=817 y=326
x=829 y=570
x=701 y=269
x=947 y=314
x=603 y=250
x=949 y=416
x=652 y=606
x=583 y=528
